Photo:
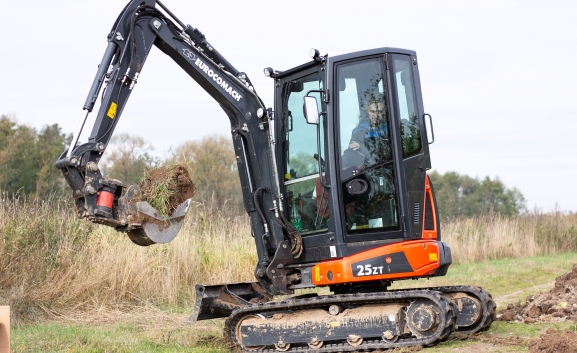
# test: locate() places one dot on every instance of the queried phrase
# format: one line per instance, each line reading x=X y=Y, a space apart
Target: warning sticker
x=112 y=110
x=432 y=256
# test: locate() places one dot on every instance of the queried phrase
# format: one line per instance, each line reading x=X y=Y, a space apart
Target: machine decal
x=219 y=80
x=433 y=256
x=112 y=110
x=189 y=54
x=392 y=263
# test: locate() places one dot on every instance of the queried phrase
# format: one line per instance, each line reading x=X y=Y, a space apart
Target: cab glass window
x=307 y=202
x=409 y=125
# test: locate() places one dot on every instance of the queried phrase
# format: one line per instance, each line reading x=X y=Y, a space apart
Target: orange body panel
x=405 y=259
x=422 y=255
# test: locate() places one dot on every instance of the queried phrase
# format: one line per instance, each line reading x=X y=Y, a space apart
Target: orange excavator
x=333 y=179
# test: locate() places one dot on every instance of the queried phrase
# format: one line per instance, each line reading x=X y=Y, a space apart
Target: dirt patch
x=554 y=341
x=558 y=304
x=166 y=187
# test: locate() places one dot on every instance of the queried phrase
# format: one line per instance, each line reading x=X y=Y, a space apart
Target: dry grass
x=50 y=261
x=497 y=237
x=53 y=264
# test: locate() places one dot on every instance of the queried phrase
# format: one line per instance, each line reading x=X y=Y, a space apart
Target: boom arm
x=140 y=26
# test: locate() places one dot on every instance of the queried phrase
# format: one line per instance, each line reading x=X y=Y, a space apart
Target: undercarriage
x=344 y=322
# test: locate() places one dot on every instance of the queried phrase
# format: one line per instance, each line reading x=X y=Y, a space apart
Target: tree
x=463 y=196
x=50 y=143
x=127 y=157
x=212 y=164
x=18 y=158
x=27 y=159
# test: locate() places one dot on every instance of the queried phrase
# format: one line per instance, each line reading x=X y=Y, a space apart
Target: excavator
x=334 y=181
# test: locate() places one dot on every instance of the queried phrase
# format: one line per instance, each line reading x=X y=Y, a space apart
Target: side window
x=307 y=199
x=409 y=126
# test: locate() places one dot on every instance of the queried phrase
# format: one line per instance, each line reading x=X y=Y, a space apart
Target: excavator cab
x=357 y=178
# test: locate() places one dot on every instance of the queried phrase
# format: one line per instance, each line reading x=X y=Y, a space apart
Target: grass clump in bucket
x=166 y=187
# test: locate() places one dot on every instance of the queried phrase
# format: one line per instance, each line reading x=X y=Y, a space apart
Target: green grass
x=127 y=337
x=509 y=280
x=501 y=277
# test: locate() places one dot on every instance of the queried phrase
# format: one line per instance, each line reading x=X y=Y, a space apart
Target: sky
x=499 y=78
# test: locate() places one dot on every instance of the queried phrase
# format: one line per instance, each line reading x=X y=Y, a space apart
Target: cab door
x=369 y=170
x=381 y=164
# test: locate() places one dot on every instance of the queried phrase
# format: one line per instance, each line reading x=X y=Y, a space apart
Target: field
x=77 y=287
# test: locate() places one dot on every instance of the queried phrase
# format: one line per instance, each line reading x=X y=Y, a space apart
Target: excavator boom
x=138 y=28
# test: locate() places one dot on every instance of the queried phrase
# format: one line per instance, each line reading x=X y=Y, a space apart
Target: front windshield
x=367 y=171
x=364 y=125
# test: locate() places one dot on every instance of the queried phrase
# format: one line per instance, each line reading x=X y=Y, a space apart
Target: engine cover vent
x=416 y=213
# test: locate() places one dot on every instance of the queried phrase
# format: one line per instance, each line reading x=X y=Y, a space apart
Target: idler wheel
x=422 y=319
x=468 y=311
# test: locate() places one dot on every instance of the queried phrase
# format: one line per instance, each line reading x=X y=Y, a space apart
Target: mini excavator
x=333 y=179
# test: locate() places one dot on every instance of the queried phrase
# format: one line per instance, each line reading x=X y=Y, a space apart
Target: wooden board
x=4 y=329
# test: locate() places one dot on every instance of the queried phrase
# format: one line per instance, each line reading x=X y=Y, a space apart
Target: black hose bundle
x=291 y=232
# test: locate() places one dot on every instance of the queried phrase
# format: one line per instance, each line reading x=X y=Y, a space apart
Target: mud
x=554 y=341
x=557 y=305
x=177 y=180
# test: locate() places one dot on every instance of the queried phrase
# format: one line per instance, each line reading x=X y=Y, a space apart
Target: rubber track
x=445 y=328
x=489 y=313
x=489 y=307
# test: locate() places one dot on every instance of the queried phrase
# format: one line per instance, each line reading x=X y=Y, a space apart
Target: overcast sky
x=498 y=77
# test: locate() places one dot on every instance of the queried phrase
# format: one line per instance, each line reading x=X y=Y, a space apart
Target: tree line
x=27 y=158
x=461 y=196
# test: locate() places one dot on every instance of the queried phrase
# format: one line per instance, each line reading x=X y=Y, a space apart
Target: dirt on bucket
x=558 y=304
x=166 y=187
